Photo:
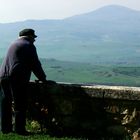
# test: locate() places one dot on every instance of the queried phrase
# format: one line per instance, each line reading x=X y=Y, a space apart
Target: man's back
x=18 y=60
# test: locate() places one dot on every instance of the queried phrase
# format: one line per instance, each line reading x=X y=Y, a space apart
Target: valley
x=85 y=73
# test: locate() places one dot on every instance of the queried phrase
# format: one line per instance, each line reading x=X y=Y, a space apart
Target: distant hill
x=108 y=35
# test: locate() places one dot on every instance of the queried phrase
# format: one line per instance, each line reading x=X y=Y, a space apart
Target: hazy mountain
x=109 y=35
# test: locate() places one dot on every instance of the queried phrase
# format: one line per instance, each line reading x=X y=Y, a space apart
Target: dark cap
x=27 y=32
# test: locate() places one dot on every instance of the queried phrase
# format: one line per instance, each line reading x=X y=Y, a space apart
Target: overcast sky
x=19 y=10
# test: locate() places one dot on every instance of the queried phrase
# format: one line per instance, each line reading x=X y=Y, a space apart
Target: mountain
x=108 y=35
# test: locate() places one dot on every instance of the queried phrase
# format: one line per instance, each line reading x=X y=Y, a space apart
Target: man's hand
x=49 y=82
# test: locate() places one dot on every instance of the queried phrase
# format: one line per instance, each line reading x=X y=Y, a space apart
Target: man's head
x=27 y=32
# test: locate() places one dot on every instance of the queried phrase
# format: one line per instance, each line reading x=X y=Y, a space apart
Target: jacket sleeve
x=36 y=65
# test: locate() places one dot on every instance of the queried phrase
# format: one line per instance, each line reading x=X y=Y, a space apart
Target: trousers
x=13 y=105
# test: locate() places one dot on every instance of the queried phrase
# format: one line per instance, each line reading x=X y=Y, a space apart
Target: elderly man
x=15 y=73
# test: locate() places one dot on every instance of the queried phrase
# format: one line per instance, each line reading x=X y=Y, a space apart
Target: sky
x=20 y=10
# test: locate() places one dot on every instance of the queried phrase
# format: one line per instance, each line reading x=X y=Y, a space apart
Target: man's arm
x=36 y=66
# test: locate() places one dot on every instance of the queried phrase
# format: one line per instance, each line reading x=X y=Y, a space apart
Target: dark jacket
x=21 y=60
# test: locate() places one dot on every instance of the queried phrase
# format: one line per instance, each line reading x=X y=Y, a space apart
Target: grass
x=12 y=136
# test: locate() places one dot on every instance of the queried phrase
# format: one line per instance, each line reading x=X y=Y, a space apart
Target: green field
x=72 y=72
x=86 y=73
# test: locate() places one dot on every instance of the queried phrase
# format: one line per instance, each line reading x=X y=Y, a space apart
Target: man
x=15 y=73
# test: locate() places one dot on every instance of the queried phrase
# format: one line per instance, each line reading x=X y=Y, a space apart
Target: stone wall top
x=111 y=92
x=99 y=91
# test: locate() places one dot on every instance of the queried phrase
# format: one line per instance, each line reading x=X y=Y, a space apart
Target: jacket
x=21 y=60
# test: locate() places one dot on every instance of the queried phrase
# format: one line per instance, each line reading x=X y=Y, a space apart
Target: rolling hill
x=109 y=35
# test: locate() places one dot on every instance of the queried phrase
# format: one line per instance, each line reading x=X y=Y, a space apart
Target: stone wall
x=84 y=110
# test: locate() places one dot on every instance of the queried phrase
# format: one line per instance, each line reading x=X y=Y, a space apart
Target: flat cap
x=27 y=32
